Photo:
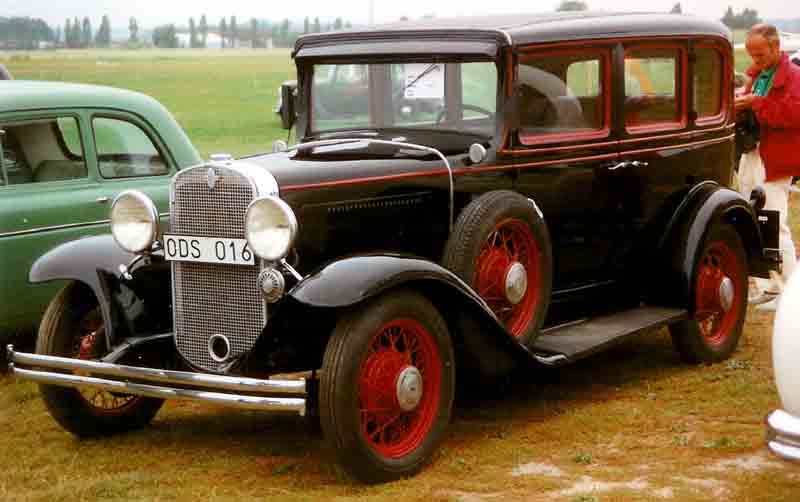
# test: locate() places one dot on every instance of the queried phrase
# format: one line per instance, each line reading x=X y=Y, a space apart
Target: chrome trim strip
x=233 y=400
x=783 y=435
x=55 y=227
x=215 y=382
x=312 y=144
x=64 y=227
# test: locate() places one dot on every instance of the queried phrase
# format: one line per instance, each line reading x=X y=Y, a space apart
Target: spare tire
x=500 y=246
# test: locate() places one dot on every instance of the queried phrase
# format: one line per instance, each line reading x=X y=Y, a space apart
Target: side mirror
x=286 y=106
x=5 y=74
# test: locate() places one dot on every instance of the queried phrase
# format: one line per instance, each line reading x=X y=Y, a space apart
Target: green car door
x=61 y=171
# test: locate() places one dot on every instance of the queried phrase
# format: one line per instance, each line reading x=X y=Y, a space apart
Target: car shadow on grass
x=288 y=443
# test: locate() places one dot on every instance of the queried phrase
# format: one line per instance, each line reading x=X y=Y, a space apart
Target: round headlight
x=270 y=228
x=134 y=221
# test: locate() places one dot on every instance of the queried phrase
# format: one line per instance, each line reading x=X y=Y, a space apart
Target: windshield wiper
x=419 y=77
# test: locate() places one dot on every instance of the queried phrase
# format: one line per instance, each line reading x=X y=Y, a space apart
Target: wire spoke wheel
x=386 y=386
x=400 y=349
x=720 y=299
x=501 y=247
x=507 y=272
x=716 y=315
x=73 y=327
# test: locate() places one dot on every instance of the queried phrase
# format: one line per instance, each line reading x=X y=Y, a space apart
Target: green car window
x=124 y=150
x=41 y=151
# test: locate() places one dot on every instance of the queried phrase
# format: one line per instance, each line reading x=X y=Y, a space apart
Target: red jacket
x=778 y=114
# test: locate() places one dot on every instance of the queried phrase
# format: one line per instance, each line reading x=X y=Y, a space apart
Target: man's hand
x=743 y=102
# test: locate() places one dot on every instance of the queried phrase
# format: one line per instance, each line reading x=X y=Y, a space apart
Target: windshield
x=440 y=96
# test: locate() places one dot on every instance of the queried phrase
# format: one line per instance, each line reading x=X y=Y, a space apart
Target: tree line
x=24 y=33
x=257 y=33
x=33 y=33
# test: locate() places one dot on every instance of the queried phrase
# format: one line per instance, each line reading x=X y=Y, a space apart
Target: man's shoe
x=763 y=297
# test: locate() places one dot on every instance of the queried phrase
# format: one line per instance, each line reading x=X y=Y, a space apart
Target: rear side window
x=708 y=82
x=124 y=150
x=653 y=87
x=562 y=94
x=42 y=151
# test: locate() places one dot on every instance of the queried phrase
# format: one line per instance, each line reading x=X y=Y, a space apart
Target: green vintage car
x=67 y=151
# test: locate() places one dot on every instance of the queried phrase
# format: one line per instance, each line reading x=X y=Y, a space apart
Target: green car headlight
x=134 y=221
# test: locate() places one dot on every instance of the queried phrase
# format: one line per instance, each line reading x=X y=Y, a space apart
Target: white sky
x=150 y=13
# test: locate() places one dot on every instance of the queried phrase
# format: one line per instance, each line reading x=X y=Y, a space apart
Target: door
x=563 y=150
x=56 y=188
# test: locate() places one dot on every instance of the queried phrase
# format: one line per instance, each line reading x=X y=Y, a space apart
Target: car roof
x=26 y=95
x=523 y=29
x=18 y=95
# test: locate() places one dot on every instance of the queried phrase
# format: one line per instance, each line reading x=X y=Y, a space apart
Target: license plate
x=208 y=250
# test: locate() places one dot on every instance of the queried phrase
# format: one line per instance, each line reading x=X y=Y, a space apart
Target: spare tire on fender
x=500 y=246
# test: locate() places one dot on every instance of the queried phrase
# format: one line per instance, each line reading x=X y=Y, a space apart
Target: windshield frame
x=306 y=74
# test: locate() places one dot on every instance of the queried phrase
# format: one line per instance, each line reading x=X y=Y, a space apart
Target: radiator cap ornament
x=211 y=178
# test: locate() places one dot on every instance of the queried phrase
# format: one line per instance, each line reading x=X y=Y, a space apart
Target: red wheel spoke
x=391 y=430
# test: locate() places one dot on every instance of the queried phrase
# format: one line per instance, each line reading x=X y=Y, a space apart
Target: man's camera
x=748 y=131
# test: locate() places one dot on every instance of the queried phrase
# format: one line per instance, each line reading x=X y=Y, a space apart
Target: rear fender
x=138 y=305
x=682 y=243
x=349 y=282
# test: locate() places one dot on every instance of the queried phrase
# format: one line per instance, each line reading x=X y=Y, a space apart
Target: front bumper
x=783 y=435
x=237 y=392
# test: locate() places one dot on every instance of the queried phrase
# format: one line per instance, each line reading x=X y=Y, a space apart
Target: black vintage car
x=570 y=190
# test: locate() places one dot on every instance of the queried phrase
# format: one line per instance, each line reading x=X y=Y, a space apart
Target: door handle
x=627 y=163
x=103 y=199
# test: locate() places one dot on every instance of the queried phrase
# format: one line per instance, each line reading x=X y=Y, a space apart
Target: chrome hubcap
x=409 y=388
x=516 y=283
x=726 y=291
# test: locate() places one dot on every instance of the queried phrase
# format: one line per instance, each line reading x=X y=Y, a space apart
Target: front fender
x=95 y=261
x=350 y=281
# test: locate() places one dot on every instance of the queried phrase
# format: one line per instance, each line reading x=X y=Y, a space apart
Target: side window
x=708 y=81
x=562 y=93
x=125 y=151
x=652 y=87
x=41 y=151
x=478 y=89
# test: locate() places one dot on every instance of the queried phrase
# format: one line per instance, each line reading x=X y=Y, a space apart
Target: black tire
x=713 y=333
x=63 y=332
x=477 y=227
x=371 y=348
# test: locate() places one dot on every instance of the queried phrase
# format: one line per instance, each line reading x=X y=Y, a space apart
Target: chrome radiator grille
x=213 y=299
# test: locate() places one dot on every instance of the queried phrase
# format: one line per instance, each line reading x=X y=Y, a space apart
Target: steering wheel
x=474 y=108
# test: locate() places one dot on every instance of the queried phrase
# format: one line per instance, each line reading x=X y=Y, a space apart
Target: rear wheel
x=72 y=326
x=720 y=299
x=387 y=386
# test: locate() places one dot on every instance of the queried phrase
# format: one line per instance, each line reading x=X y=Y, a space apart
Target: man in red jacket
x=774 y=97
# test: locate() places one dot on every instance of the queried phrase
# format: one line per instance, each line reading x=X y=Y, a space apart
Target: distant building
x=214 y=41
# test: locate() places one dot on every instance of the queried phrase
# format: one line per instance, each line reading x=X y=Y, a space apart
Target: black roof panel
x=523 y=29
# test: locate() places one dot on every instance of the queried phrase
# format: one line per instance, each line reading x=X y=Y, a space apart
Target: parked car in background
x=783 y=425
x=67 y=151
x=570 y=192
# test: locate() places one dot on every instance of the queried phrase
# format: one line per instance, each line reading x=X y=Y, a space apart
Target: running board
x=569 y=342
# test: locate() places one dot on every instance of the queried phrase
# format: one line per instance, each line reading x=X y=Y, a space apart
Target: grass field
x=223 y=102
x=632 y=424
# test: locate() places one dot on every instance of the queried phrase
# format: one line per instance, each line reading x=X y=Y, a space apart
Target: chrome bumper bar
x=238 y=392
x=783 y=435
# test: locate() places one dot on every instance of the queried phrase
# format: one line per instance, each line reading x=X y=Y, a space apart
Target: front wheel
x=387 y=386
x=72 y=326
x=720 y=299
